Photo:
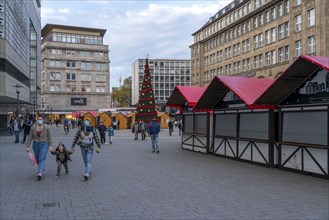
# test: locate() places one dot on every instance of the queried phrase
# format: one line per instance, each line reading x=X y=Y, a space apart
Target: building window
x=255 y=22
x=70 y=76
x=70 y=64
x=311 y=44
x=298 y=47
x=273 y=13
x=100 y=89
x=55 y=63
x=55 y=88
x=85 y=65
x=85 y=53
x=267 y=16
x=100 y=78
x=56 y=51
x=298 y=23
x=85 y=88
x=280 y=10
x=100 y=66
x=298 y=2
x=55 y=76
x=283 y=30
x=70 y=52
x=287 y=6
x=85 y=77
x=261 y=19
x=311 y=17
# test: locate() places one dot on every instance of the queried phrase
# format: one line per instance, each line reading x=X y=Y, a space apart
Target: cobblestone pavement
x=130 y=182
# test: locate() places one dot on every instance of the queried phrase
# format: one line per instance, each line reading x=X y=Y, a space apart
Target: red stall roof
x=300 y=70
x=248 y=89
x=182 y=94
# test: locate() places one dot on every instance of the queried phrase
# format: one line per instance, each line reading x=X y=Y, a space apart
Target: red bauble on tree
x=146 y=109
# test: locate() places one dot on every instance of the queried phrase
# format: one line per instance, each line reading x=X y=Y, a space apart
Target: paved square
x=130 y=182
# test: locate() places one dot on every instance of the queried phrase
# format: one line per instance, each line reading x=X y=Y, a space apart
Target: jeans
x=155 y=141
x=87 y=154
x=102 y=138
x=17 y=136
x=40 y=150
x=26 y=134
x=171 y=129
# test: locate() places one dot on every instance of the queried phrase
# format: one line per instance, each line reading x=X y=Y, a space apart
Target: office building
x=166 y=74
x=75 y=70
x=259 y=38
x=20 y=34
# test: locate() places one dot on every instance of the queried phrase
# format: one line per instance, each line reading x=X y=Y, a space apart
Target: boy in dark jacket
x=62 y=156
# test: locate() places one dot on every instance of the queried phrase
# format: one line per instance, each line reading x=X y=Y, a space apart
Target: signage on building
x=78 y=101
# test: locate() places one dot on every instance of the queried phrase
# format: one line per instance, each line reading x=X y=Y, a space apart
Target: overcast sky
x=161 y=29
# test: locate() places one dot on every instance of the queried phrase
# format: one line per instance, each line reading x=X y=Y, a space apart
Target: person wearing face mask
x=85 y=138
x=40 y=134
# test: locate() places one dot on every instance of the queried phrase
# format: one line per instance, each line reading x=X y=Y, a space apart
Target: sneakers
x=158 y=151
x=66 y=171
x=39 y=175
x=153 y=151
x=57 y=175
x=86 y=176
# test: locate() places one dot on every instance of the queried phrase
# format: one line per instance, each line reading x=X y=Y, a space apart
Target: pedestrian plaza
x=128 y=181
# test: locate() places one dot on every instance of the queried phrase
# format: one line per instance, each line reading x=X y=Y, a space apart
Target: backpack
x=86 y=138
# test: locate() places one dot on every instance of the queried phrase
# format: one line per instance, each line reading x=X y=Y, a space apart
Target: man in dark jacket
x=102 y=129
x=154 y=129
x=26 y=127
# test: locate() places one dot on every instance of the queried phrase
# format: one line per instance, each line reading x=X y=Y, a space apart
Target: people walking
x=118 y=124
x=154 y=129
x=16 y=128
x=62 y=157
x=171 y=127
x=66 y=126
x=26 y=127
x=102 y=129
x=85 y=138
x=135 y=129
x=179 y=127
x=111 y=134
x=40 y=134
x=142 y=128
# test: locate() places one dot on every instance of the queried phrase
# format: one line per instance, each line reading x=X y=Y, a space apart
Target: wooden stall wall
x=303 y=140
x=195 y=133
x=246 y=135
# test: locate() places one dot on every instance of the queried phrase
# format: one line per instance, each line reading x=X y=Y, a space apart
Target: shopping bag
x=32 y=159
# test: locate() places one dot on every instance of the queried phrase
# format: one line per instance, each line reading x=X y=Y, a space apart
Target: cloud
x=64 y=11
x=162 y=29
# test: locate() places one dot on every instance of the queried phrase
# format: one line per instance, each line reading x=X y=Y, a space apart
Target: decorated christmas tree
x=146 y=104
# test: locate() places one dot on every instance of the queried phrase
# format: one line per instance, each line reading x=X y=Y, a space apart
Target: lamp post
x=18 y=90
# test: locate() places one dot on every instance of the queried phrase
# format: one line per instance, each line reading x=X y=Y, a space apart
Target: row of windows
x=167 y=78
x=261 y=60
x=270 y=37
x=77 y=38
x=73 y=53
x=257 y=21
x=74 y=88
x=74 y=64
x=72 y=76
x=246 y=27
x=167 y=72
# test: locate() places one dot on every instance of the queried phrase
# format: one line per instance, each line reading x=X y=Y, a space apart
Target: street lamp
x=18 y=90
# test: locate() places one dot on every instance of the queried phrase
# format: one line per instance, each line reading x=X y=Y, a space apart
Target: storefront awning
x=300 y=70
x=185 y=96
x=247 y=89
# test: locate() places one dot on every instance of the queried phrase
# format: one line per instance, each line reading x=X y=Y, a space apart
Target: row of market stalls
x=275 y=123
x=124 y=121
